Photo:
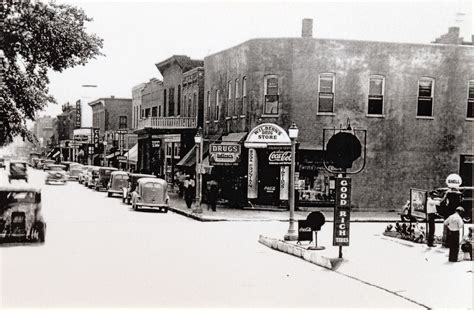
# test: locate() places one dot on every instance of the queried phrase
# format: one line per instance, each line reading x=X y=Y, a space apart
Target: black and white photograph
x=236 y=154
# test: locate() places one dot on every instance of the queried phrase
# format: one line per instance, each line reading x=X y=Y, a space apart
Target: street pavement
x=100 y=253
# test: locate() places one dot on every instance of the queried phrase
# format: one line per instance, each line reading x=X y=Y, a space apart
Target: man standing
x=431 y=210
x=454 y=224
x=189 y=191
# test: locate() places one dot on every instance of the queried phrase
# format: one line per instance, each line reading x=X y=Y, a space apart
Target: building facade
x=414 y=101
x=136 y=104
x=168 y=125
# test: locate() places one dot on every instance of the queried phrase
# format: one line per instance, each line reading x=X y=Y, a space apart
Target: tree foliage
x=38 y=37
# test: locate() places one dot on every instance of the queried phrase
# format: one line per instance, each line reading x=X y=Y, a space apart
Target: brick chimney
x=307 y=28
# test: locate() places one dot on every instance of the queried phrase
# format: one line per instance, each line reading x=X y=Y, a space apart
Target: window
x=376 y=92
x=159 y=110
x=142 y=113
x=470 y=99
x=326 y=93
x=425 y=97
x=194 y=104
x=154 y=111
x=171 y=101
x=229 y=98
x=122 y=122
x=208 y=105
x=244 y=95
x=147 y=113
x=217 y=105
x=271 y=94
x=184 y=101
x=179 y=99
x=237 y=106
x=164 y=102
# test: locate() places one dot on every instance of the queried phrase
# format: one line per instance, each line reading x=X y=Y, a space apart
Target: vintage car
x=2 y=163
x=47 y=163
x=132 y=184
x=118 y=181
x=87 y=175
x=18 y=171
x=151 y=193
x=20 y=214
x=40 y=164
x=56 y=175
x=92 y=176
x=74 y=170
x=441 y=210
x=83 y=173
x=103 y=178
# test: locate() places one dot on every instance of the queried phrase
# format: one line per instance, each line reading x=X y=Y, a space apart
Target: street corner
x=292 y=248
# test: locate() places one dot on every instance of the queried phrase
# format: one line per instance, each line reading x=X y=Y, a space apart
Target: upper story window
x=470 y=99
x=236 y=89
x=229 y=105
x=194 y=104
x=376 y=95
x=244 y=95
x=122 y=122
x=326 y=92
x=179 y=99
x=154 y=111
x=159 y=110
x=185 y=102
x=216 y=117
x=208 y=105
x=271 y=92
x=425 y=97
x=190 y=104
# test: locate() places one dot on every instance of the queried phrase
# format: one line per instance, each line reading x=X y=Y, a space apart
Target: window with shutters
x=216 y=117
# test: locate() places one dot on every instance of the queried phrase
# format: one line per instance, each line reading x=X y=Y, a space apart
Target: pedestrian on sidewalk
x=451 y=200
x=466 y=244
x=431 y=205
x=454 y=224
x=212 y=193
x=189 y=191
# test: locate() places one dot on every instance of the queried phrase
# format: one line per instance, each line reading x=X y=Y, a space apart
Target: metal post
x=200 y=173
x=291 y=234
x=198 y=208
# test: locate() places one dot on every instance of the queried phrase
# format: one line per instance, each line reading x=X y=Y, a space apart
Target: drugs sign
x=223 y=154
x=342 y=212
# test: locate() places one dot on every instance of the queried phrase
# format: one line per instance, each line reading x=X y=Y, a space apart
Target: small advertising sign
x=95 y=136
x=418 y=199
x=155 y=144
x=305 y=232
x=78 y=122
x=284 y=182
x=121 y=157
x=224 y=154
x=252 y=175
x=342 y=211
x=279 y=157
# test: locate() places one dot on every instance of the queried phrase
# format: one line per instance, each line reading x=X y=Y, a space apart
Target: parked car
x=103 y=178
x=88 y=175
x=118 y=182
x=40 y=164
x=18 y=171
x=466 y=203
x=83 y=173
x=47 y=163
x=132 y=184
x=74 y=170
x=2 y=163
x=56 y=174
x=92 y=176
x=21 y=219
x=151 y=193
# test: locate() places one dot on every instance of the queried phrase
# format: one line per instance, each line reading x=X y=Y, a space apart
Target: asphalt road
x=100 y=253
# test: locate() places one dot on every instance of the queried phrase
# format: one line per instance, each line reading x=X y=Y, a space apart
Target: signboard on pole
x=342 y=212
x=418 y=200
x=284 y=182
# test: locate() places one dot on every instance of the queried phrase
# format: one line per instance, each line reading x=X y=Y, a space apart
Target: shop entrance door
x=465 y=169
x=269 y=184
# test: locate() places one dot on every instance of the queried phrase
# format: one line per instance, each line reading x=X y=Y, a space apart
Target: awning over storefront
x=189 y=159
x=131 y=156
x=112 y=155
x=237 y=137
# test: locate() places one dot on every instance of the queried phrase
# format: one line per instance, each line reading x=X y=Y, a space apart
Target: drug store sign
x=223 y=154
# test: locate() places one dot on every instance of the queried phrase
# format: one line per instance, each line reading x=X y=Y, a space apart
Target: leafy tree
x=38 y=37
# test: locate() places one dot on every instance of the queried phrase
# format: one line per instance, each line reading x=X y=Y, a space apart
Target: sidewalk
x=226 y=213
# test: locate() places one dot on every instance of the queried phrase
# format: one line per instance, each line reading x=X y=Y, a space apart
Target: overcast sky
x=138 y=35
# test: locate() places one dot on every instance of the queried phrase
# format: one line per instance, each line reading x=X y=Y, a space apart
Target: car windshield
x=57 y=168
x=7 y=197
x=152 y=185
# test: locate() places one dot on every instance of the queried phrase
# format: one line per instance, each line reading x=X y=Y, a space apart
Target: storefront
x=269 y=159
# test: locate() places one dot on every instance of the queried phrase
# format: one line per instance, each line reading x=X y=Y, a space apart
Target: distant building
x=136 y=104
x=111 y=114
x=43 y=130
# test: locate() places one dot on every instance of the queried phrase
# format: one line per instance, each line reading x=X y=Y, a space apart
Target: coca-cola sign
x=279 y=158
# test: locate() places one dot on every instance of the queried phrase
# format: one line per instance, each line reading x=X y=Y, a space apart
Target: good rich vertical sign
x=252 y=175
x=342 y=212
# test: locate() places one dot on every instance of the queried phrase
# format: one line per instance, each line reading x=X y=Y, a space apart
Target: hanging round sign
x=453 y=180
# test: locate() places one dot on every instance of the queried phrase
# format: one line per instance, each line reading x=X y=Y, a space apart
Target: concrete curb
x=195 y=216
x=298 y=251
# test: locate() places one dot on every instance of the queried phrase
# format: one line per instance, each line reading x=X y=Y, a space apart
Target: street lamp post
x=198 y=140
x=291 y=235
x=105 y=149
